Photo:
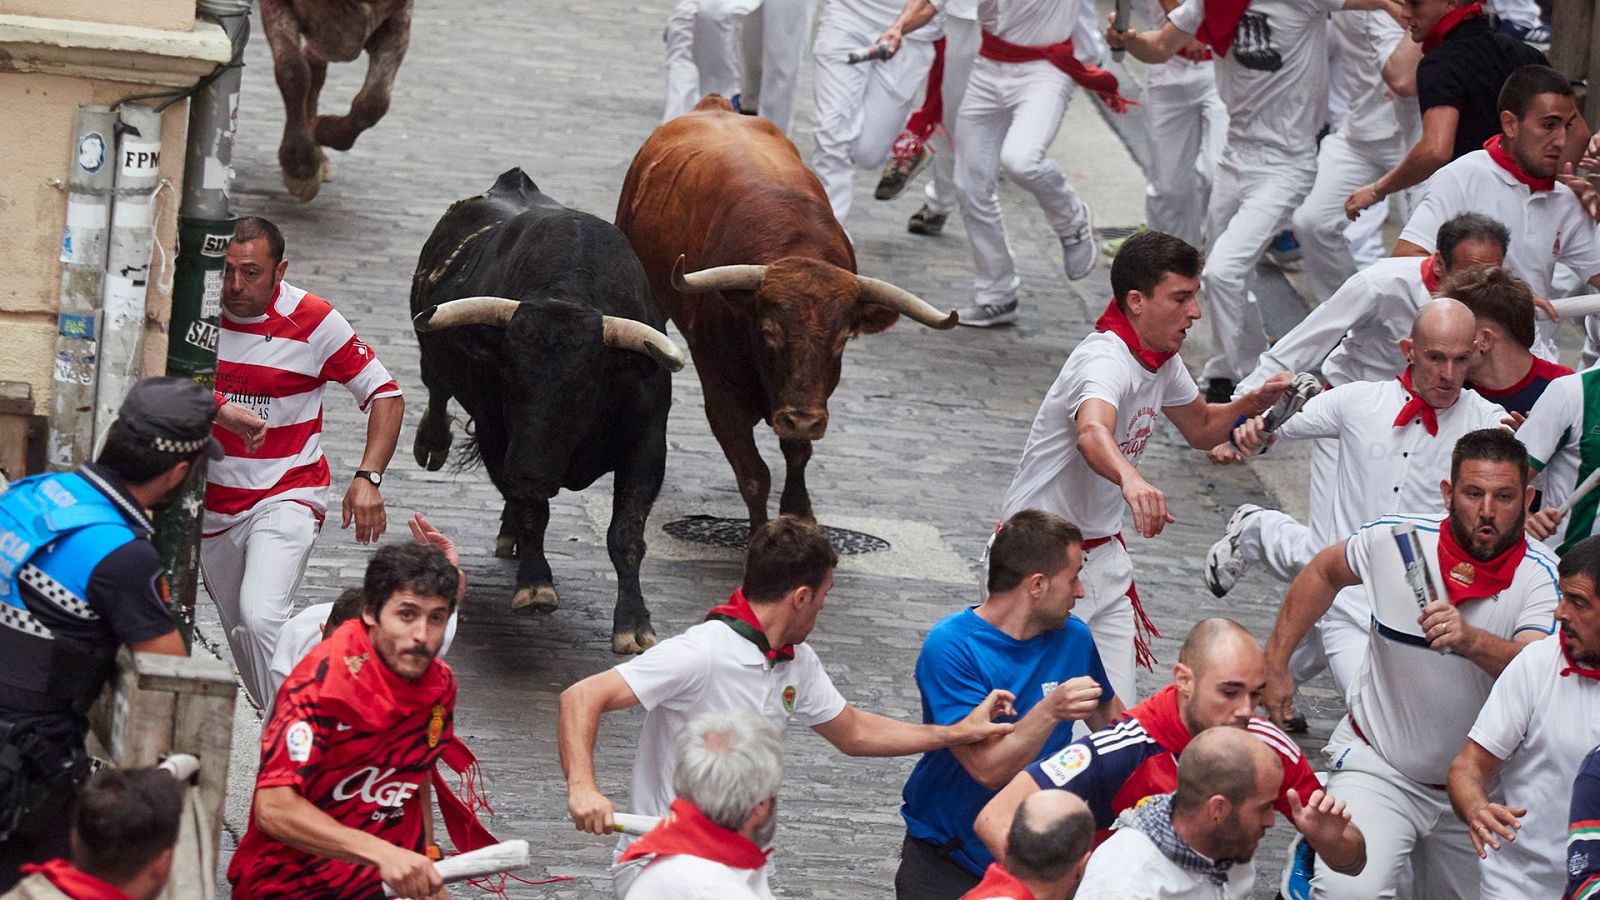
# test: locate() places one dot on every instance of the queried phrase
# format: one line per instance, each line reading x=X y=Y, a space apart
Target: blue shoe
x=1296 y=884
x=1284 y=251
x=1536 y=36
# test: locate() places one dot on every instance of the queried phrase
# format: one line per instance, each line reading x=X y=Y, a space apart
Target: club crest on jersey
x=297 y=741
x=435 y=726
x=1066 y=765
x=788 y=699
x=356 y=662
x=1463 y=573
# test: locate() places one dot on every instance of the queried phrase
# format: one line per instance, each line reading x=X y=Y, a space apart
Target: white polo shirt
x=1540 y=724
x=711 y=667
x=1562 y=434
x=1355 y=334
x=1412 y=704
x=1383 y=468
x=683 y=877
x=1546 y=227
x=1128 y=866
x=1053 y=475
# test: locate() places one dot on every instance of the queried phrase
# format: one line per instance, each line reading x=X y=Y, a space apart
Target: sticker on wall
x=140 y=157
x=91 y=152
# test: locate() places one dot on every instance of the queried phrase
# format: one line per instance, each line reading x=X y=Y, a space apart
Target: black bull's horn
x=624 y=334
x=748 y=278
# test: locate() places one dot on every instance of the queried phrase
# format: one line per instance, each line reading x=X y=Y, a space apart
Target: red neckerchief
x=738 y=615
x=1447 y=24
x=1161 y=720
x=997 y=883
x=1503 y=160
x=1220 y=24
x=1430 y=273
x=359 y=688
x=1416 y=406
x=1059 y=55
x=72 y=882
x=1572 y=667
x=685 y=831
x=1466 y=578
x=1116 y=321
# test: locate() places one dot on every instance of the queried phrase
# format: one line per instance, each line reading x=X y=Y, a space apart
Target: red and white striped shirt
x=277 y=365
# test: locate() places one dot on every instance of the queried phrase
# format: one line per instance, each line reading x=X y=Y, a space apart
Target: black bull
x=537 y=319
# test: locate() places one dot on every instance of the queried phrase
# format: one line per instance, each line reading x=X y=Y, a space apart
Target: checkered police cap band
x=167 y=445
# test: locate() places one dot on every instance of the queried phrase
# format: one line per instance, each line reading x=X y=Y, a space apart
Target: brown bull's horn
x=496 y=311
x=627 y=334
x=918 y=309
x=718 y=278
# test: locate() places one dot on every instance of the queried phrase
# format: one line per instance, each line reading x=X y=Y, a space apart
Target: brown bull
x=771 y=295
x=305 y=35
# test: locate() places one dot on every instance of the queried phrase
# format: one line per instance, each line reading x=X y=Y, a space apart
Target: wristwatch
x=375 y=477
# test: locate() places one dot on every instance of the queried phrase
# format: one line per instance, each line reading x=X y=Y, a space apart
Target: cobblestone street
x=926 y=427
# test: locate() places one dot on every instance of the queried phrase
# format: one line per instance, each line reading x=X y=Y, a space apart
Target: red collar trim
x=685 y=831
x=1503 y=160
x=998 y=884
x=1161 y=720
x=74 y=883
x=1116 y=321
x=738 y=615
x=1442 y=28
x=1466 y=578
x=1572 y=667
x=1416 y=406
x=1431 y=278
x=1539 y=368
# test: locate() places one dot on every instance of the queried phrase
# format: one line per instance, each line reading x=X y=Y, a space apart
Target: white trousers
x=700 y=55
x=1256 y=190
x=961 y=39
x=1407 y=826
x=1335 y=247
x=774 y=40
x=1523 y=12
x=1105 y=608
x=1009 y=118
x=252 y=572
x=861 y=108
x=1185 y=126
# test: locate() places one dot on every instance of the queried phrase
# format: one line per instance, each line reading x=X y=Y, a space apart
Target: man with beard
x=1424 y=677
x=79 y=578
x=1541 y=718
x=344 y=798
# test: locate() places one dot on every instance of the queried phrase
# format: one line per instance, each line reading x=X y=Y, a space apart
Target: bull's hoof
x=303 y=189
x=625 y=643
x=505 y=547
x=541 y=599
x=430 y=458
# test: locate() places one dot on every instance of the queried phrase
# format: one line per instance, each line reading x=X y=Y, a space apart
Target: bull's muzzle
x=800 y=424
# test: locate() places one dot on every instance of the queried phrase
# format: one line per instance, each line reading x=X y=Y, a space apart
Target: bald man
x=1393 y=448
x=1217 y=682
x=1051 y=835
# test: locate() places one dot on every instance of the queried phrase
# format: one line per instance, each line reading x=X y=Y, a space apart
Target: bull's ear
x=872 y=318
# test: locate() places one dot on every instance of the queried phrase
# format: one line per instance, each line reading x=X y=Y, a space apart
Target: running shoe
x=1077 y=249
x=909 y=157
x=1225 y=563
x=1285 y=251
x=926 y=222
x=987 y=315
x=1111 y=247
x=1219 y=390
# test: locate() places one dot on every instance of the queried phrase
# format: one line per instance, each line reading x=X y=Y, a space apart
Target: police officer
x=78 y=578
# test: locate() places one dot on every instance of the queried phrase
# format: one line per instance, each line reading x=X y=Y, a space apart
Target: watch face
x=375 y=477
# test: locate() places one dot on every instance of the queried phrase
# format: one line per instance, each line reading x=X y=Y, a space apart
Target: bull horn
x=916 y=308
x=717 y=278
x=627 y=334
x=496 y=311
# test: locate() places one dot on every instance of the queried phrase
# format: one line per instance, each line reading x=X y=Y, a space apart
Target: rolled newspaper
x=1121 y=26
x=492 y=860
x=1572 y=307
x=1579 y=492
x=630 y=823
x=878 y=51
x=1418 y=578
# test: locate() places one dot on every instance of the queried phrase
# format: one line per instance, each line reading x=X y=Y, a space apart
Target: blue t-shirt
x=963 y=659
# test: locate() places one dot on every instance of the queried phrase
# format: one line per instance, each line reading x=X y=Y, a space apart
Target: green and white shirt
x=1562 y=435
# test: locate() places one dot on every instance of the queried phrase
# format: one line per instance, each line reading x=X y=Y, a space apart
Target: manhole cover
x=735 y=534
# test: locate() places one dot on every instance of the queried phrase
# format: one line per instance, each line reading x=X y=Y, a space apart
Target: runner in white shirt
x=1563 y=435
x=1366 y=144
x=1385 y=458
x=701 y=56
x=1083 y=450
x=1542 y=717
x=1513 y=180
x=774 y=37
x=1273 y=76
x=1185 y=124
x=1413 y=704
x=749 y=656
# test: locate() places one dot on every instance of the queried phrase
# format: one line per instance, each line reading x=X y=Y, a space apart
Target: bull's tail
x=467 y=455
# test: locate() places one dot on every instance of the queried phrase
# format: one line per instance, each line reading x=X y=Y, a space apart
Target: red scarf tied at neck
x=1116 y=321
x=74 y=883
x=738 y=615
x=1572 y=667
x=998 y=884
x=685 y=831
x=1448 y=23
x=1466 y=578
x=1060 y=55
x=1505 y=161
x=1431 y=278
x=1220 y=24
x=1416 y=406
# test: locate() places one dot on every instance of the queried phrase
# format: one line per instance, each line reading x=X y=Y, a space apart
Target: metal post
x=83 y=258
x=1574 y=30
x=204 y=231
x=138 y=161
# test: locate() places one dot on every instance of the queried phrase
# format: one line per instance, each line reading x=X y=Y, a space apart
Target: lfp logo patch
x=297 y=740
x=1065 y=766
x=788 y=699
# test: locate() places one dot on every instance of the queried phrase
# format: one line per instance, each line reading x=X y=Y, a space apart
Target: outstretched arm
x=1153 y=47
x=914 y=15
x=993 y=824
x=1470 y=774
x=1308 y=600
x=859 y=733
x=1205 y=425
x=576 y=726
x=363 y=503
x=282 y=814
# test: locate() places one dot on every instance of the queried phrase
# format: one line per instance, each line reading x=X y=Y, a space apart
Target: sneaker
x=1224 y=563
x=1219 y=390
x=1537 y=36
x=1112 y=247
x=1077 y=249
x=1297 y=724
x=986 y=315
x=1285 y=251
x=1296 y=884
x=927 y=222
x=908 y=158
x=1304 y=387
x=738 y=106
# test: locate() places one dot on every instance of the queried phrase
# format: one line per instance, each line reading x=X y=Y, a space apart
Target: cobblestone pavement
x=926 y=426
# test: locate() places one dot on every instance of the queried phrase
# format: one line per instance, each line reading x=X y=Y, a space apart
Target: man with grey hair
x=1046 y=851
x=712 y=843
